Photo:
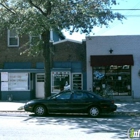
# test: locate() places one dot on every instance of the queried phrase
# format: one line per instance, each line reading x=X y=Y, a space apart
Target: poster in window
x=18 y=81
x=4 y=86
x=4 y=76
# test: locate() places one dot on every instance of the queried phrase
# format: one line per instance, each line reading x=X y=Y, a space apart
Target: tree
x=41 y=16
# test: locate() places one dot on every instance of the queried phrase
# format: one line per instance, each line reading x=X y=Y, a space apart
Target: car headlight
x=28 y=103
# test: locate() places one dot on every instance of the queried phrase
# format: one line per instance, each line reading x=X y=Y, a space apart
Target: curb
x=114 y=113
x=11 y=111
x=126 y=113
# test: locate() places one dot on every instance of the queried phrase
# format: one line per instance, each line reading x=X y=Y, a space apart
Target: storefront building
x=22 y=77
x=113 y=64
x=69 y=67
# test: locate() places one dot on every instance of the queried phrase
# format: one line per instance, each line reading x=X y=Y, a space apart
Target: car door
x=60 y=103
x=80 y=101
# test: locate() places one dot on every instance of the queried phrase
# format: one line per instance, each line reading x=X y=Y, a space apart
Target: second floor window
x=34 y=40
x=13 y=39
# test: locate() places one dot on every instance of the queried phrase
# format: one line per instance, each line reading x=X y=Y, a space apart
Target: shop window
x=114 y=78
x=14 y=81
x=77 y=81
x=60 y=81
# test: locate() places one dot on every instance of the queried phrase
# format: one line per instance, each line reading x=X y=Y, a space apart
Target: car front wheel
x=94 y=111
x=40 y=110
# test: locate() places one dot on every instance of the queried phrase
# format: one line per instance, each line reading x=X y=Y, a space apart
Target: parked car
x=71 y=101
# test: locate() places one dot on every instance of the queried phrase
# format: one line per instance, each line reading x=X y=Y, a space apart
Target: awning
x=61 y=69
x=107 y=60
x=33 y=70
x=23 y=70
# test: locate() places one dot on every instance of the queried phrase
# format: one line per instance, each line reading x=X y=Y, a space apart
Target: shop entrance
x=60 y=80
x=40 y=85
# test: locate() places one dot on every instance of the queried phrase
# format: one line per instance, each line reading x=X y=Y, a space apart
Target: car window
x=94 y=95
x=63 y=96
x=80 y=95
x=91 y=95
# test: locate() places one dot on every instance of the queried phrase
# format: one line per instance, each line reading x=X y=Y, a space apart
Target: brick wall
x=12 y=54
x=70 y=51
x=63 y=51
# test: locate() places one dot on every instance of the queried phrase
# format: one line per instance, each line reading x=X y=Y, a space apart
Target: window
x=112 y=78
x=15 y=81
x=77 y=81
x=60 y=80
x=64 y=96
x=80 y=95
x=13 y=39
x=34 y=39
x=40 y=78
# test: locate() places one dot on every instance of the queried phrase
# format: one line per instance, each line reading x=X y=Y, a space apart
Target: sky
x=129 y=26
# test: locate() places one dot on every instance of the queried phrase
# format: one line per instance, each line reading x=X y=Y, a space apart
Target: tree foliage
x=40 y=16
x=35 y=16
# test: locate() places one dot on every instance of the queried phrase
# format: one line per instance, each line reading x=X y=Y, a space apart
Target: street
x=24 y=126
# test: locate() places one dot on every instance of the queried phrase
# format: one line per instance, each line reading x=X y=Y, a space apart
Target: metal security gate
x=40 y=85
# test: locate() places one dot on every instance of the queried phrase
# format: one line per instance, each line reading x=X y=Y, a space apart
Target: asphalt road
x=27 y=126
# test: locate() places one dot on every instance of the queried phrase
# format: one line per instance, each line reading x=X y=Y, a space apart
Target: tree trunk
x=47 y=62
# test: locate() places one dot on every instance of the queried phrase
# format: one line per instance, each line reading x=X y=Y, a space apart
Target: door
x=60 y=103
x=40 y=85
x=80 y=102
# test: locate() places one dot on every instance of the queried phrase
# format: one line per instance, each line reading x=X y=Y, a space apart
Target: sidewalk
x=123 y=107
x=11 y=106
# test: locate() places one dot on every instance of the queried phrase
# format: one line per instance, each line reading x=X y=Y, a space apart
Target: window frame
x=78 y=82
x=117 y=78
x=7 y=83
x=15 y=37
x=33 y=36
x=55 y=76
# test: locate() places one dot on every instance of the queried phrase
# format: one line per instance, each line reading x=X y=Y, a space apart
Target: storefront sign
x=60 y=74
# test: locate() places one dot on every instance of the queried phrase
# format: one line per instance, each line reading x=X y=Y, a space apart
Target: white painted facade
x=121 y=45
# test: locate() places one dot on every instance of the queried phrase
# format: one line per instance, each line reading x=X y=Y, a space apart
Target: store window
x=60 y=80
x=114 y=78
x=77 y=81
x=14 y=81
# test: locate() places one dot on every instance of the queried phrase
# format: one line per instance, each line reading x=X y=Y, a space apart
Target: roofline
x=111 y=36
x=65 y=40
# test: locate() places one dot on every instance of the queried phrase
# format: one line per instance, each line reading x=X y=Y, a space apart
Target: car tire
x=40 y=110
x=94 y=111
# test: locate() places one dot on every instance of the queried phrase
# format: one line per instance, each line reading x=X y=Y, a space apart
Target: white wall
x=100 y=45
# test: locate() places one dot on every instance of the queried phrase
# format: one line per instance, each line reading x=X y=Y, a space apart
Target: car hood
x=36 y=100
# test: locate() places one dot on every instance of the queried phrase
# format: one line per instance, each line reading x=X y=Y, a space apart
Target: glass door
x=60 y=80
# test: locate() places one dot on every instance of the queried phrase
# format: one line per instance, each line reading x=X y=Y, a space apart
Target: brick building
x=22 y=76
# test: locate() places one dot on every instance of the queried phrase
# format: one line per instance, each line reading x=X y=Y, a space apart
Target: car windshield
x=52 y=96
